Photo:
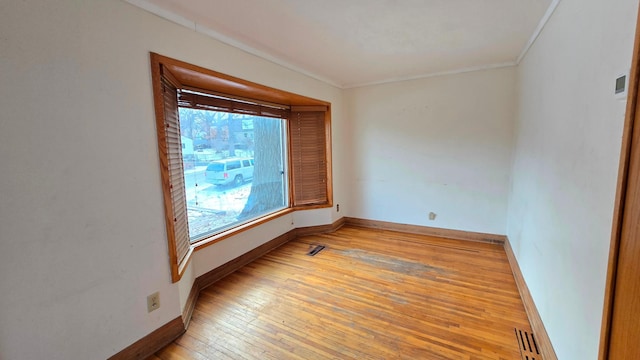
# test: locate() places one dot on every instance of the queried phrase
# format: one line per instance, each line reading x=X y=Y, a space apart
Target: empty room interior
x=461 y=191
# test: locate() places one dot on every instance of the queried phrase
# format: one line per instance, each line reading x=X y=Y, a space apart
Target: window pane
x=234 y=169
x=233 y=165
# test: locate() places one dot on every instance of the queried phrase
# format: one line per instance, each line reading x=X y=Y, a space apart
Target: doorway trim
x=632 y=118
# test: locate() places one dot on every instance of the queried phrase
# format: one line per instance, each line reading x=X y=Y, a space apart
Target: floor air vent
x=315 y=250
x=528 y=345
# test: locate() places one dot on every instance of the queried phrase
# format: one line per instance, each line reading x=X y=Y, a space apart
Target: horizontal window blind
x=177 y=223
x=231 y=105
x=308 y=156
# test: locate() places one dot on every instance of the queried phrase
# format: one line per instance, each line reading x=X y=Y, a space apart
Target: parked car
x=229 y=171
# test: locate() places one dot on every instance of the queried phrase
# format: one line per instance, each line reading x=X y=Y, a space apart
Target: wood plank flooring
x=370 y=294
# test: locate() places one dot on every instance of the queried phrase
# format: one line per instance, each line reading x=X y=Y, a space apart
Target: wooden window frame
x=196 y=78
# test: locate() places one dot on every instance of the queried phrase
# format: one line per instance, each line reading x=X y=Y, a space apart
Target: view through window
x=234 y=168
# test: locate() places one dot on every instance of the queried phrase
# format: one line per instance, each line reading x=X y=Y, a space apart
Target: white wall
x=440 y=144
x=82 y=239
x=568 y=134
x=82 y=234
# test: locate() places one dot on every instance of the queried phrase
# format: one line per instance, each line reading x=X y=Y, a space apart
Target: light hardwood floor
x=371 y=294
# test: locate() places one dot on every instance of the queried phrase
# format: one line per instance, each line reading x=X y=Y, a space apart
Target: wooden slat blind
x=177 y=222
x=224 y=104
x=308 y=156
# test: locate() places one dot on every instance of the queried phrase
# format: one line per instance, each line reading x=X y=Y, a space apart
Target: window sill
x=203 y=243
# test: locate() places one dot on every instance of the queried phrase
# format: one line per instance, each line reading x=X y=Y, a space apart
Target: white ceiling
x=358 y=42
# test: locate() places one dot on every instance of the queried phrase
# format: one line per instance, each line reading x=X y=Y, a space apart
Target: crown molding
x=547 y=15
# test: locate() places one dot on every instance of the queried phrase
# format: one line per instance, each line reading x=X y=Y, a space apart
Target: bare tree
x=267 y=189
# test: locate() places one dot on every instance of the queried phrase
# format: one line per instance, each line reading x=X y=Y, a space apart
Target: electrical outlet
x=153 y=301
x=337 y=207
x=432 y=216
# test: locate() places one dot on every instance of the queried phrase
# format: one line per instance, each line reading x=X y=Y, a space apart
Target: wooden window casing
x=309 y=140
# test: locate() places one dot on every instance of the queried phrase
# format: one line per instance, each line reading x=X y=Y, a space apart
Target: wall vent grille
x=315 y=250
x=528 y=345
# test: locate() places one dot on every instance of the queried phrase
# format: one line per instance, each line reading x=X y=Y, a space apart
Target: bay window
x=233 y=154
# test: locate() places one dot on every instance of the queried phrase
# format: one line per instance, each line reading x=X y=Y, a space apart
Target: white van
x=229 y=171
